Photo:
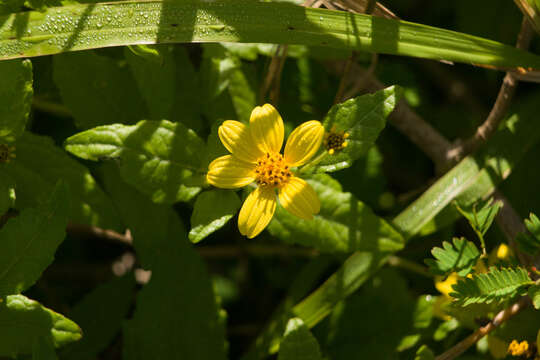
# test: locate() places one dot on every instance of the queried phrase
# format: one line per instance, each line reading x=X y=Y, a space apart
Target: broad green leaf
x=88 y=26
x=445 y=328
x=29 y=241
x=362 y=119
x=298 y=343
x=216 y=69
x=424 y=353
x=159 y=158
x=100 y=315
x=176 y=316
x=37 y=168
x=495 y=285
x=43 y=349
x=212 y=210
x=534 y=294
x=103 y=92
x=344 y=224
x=156 y=78
x=459 y=257
x=149 y=228
x=480 y=214
x=15 y=98
x=7 y=193
x=366 y=314
x=25 y=321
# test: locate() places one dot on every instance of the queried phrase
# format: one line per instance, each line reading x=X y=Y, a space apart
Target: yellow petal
x=304 y=142
x=267 y=128
x=257 y=211
x=228 y=172
x=236 y=137
x=299 y=198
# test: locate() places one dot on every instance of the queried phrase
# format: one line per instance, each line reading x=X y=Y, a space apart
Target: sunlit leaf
x=159 y=158
x=212 y=210
x=459 y=257
x=344 y=224
x=361 y=119
x=25 y=322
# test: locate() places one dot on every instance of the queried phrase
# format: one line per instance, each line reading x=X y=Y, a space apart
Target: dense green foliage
x=114 y=245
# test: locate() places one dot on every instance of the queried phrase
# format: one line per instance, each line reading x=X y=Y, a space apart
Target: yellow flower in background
x=445 y=285
x=255 y=157
x=518 y=348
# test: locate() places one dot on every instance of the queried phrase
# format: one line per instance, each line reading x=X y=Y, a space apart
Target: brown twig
x=506 y=93
x=500 y=318
x=93 y=231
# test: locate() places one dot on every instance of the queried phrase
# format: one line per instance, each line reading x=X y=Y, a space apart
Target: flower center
x=335 y=141
x=272 y=170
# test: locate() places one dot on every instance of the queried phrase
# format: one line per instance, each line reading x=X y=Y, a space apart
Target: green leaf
x=459 y=257
x=87 y=26
x=159 y=158
x=103 y=92
x=7 y=193
x=344 y=224
x=25 y=321
x=533 y=225
x=15 y=98
x=149 y=228
x=37 y=168
x=154 y=71
x=529 y=242
x=366 y=314
x=534 y=294
x=176 y=316
x=424 y=353
x=43 y=349
x=362 y=118
x=480 y=214
x=212 y=210
x=29 y=242
x=298 y=343
x=496 y=285
x=100 y=315
x=243 y=93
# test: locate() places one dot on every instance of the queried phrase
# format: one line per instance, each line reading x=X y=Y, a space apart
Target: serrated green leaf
x=103 y=92
x=298 y=343
x=534 y=294
x=529 y=242
x=424 y=353
x=86 y=27
x=344 y=224
x=362 y=118
x=37 y=168
x=29 y=241
x=26 y=321
x=7 y=193
x=155 y=77
x=176 y=316
x=159 y=158
x=212 y=210
x=100 y=315
x=459 y=257
x=496 y=285
x=15 y=98
x=480 y=214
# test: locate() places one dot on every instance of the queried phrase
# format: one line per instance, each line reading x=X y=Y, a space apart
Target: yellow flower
x=518 y=348
x=255 y=157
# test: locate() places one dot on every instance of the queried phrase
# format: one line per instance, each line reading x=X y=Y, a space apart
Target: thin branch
x=93 y=231
x=506 y=93
x=469 y=341
x=409 y=265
